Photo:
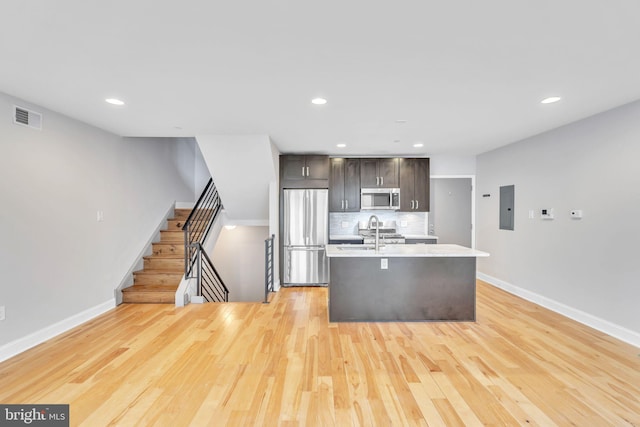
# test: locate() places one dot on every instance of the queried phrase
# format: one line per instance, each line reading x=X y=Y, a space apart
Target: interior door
x=450 y=215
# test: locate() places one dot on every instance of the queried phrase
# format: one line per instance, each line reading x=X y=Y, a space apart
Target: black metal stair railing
x=196 y=230
x=210 y=284
x=268 y=267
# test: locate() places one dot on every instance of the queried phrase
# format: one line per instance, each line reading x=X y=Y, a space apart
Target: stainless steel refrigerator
x=306 y=232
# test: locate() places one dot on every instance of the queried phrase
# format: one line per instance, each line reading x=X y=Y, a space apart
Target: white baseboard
x=617 y=331
x=21 y=344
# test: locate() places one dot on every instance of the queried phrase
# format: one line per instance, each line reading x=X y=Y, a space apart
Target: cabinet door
x=421 y=185
x=292 y=167
x=388 y=173
x=317 y=167
x=352 y=185
x=336 y=185
x=407 y=180
x=369 y=173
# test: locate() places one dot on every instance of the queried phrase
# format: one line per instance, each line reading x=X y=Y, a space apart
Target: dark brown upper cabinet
x=299 y=171
x=414 y=185
x=382 y=173
x=344 y=185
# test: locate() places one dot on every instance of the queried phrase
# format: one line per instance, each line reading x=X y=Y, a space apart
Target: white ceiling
x=468 y=76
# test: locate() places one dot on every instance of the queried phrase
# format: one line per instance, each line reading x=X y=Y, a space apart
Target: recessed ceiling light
x=229 y=227
x=114 y=101
x=401 y=121
x=396 y=141
x=550 y=100
x=418 y=144
x=319 y=101
x=341 y=145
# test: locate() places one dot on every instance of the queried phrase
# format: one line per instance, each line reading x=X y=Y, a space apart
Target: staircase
x=163 y=270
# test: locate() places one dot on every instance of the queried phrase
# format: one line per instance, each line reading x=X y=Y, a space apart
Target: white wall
x=201 y=171
x=56 y=260
x=588 y=268
x=242 y=169
x=274 y=214
x=239 y=258
x=452 y=165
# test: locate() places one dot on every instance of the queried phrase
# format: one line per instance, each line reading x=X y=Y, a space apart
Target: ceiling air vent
x=22 y=116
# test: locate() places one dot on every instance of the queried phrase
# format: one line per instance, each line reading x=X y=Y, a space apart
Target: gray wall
x=56 y=260
x=239 y=258
x=589 y=267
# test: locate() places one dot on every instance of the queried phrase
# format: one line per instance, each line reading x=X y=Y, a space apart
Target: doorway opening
x=452 y=214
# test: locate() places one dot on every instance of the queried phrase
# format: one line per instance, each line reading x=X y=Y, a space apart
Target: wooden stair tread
x=163 y=270
x=151 y=288
x=164 y=256
x=148 y=272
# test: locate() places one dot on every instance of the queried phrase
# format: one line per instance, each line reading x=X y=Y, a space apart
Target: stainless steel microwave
x=380 y=198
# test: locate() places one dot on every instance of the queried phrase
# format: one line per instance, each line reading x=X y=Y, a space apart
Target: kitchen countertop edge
x=407 y=251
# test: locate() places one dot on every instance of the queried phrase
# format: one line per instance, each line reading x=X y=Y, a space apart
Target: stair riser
x=181 y=214
x=149 y=297
x=171 y=264
x=160 y=249
x=171 y=236
x=157 y=279
x=175 y=224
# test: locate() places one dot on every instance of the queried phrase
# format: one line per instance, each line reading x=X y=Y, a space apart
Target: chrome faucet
x=377 y=246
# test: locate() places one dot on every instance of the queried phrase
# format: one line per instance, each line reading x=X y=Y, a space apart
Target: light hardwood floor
x=285 y=364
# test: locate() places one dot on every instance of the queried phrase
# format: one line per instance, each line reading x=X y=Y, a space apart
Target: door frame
x=473 y=201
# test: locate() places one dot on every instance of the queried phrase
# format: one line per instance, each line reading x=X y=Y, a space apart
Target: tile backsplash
x=346 y=223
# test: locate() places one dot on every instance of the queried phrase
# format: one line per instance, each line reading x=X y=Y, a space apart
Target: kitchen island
x=420 y=283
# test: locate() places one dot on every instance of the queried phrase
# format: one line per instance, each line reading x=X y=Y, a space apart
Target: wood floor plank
x=284 y=364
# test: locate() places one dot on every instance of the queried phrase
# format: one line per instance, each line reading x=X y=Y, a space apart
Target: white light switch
x=2 y=314
x=532 y=214
x=100 y=216
x=384 y=264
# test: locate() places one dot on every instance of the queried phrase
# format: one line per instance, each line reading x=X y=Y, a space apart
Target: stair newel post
x=199 y=271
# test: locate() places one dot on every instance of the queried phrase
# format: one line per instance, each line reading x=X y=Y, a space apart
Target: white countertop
x=359 y=237
x=403 y=251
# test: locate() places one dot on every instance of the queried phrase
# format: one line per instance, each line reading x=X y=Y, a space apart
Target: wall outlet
x=384 y=264
x=2 y=313
x=404 y=223
x=546 y=213
x=576 y=213
x=100 y=216
x=345 y=224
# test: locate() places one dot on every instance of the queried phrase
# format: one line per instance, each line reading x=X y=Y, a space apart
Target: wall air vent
x=25 y=117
